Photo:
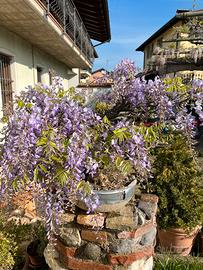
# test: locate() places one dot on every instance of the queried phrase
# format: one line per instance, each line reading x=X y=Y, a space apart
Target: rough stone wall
x=122 y=240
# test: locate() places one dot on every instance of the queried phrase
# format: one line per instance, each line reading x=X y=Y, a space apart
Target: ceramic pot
x=177 y=241
x=201 y=243
x=112 y=200
x=35 y=260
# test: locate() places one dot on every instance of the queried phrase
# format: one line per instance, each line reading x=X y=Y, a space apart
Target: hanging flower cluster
x=133 y=97
x=138 y=100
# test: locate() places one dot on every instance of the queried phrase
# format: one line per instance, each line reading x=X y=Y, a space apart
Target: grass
x=172 y=262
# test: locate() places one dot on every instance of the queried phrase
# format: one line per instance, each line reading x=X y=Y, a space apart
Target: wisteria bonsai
x=56 y=148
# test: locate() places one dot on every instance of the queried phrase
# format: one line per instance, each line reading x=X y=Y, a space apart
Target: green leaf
x=106 y=120
x=105 y=159
x=118 y=161
x=88 y=146
x=122 y=134
x=43 y=168
x=125 y=166
x=15 y=184
x=36 y=173
x=42 y=141
x=29 y=105
x=20 y=103
x=85 y=186
x=62 y=175
x=57 y=159
x=53 y=145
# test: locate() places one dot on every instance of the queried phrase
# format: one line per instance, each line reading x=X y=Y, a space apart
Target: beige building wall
x=170 y=34
x=25 y=60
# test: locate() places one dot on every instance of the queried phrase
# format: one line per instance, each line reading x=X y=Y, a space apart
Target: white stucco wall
x=25 y=60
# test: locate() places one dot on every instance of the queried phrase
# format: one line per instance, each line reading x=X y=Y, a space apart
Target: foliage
x=7 y=252
x=12 y=235
x=177 y=183
x=39 y=234
x=120 y=153
x=168 y=262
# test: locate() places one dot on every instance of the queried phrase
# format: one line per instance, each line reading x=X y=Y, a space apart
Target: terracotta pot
x=152 y=121
x=177 y=241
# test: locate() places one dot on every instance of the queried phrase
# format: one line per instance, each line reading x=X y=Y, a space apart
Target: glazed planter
x=112 y=200
x=177 y=241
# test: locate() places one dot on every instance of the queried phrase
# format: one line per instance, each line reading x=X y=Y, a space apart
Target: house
x=176 y=48
x=95 y=86
x=43 y=38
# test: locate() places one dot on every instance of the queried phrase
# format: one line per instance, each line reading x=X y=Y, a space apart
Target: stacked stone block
x=122 y=240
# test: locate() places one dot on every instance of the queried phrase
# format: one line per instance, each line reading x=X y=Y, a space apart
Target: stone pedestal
x=122 y=240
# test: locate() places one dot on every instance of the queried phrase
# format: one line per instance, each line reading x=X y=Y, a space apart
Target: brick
x=78 y=264
x=140 y=231
x=94 y=236
x=116 y=259
x=149 y=198
x=120 y=223
x=64 y=250
x=91 y=220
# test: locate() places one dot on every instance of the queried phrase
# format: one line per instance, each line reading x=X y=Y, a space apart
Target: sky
x=132 y=22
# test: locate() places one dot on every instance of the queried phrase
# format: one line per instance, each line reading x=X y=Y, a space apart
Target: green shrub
x=7 y=252
x=177 y=182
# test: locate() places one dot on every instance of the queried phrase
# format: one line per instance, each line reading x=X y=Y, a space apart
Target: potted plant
x=121 y=161
x=35 y=249
x=53 y=145
x=178 y=185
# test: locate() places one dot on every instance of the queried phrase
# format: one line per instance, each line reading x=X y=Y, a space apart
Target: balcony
x=54 y=26
x=174 y=60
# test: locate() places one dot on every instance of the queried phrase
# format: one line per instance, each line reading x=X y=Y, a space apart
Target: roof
x=95 y=16
x=180 y=15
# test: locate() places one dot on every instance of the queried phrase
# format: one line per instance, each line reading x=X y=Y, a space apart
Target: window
x=6 y=83
x=39 y=74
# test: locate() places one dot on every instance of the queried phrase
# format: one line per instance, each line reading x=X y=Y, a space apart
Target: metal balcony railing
x=66 y=14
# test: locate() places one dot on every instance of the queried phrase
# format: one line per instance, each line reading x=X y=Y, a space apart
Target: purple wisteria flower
x=53 y=146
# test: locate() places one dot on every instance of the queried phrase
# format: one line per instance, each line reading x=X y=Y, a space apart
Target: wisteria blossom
x=54 y=146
